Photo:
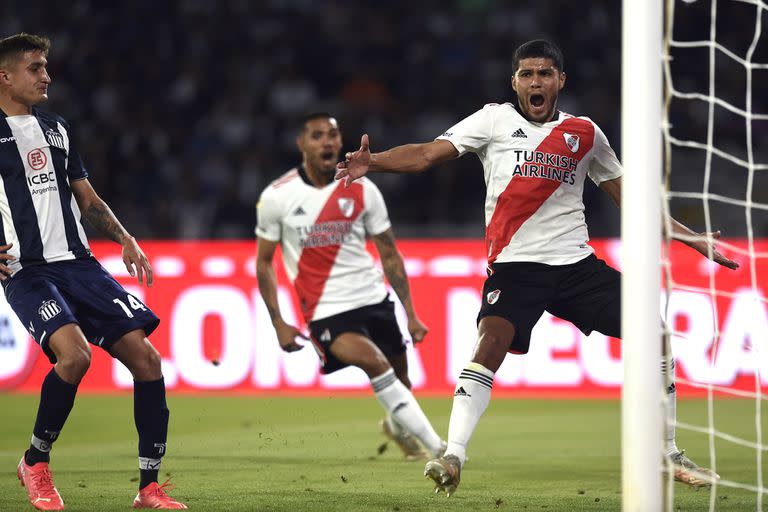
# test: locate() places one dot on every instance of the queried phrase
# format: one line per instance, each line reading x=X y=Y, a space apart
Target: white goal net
x=715 y=177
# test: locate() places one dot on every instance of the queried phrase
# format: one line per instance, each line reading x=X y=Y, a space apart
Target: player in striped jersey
x=535 y=159
x=322 y=228
x=53 y=283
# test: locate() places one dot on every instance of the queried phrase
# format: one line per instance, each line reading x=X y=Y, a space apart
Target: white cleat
x=408 y=444
x=445 y=472
x=690 y=473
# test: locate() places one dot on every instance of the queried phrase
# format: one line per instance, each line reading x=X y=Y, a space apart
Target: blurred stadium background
x=189 y=108
x=185 y=110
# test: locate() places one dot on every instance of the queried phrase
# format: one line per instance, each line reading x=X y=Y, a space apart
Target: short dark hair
x=537 y=48
x=311 y=117
x=15 y=45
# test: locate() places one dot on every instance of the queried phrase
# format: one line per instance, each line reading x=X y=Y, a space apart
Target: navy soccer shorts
x=586 y=293
x=376 y=322
x=48 y=296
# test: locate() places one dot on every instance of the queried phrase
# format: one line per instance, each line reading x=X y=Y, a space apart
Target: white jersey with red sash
x=322 y=233
x=534 y=174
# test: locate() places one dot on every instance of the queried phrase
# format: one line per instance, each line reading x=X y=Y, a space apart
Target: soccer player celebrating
x=53 y=283
x=322 y=227
x=535 y=159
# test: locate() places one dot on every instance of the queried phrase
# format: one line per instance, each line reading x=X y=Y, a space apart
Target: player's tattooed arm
x=96 y=211
x=394 y=269
x=100 y=216
x=265 y=275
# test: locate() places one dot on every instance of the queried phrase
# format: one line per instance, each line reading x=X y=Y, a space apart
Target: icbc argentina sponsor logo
x=42 y=182
x=42 y=178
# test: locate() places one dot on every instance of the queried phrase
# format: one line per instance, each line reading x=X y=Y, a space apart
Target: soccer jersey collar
x=305 y=177
x=33 y=112
x=555 y=118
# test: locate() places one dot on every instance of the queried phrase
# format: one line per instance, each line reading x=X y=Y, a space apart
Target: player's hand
x=356 y=164
x=136 y=261
x=701 y=243
x=5 y=258
x=417 y=329
x=286 y=336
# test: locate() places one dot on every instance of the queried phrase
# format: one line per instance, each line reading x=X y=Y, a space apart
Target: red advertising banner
x=216 y=334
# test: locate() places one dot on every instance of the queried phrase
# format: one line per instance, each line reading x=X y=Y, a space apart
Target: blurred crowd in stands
x=184 y=110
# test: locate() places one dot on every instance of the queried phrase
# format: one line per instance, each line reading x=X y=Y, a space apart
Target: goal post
x=641 y=150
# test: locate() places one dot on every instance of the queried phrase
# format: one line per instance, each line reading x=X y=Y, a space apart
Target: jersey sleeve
x=604 y=165
x=75 y=167
x=471 y=134
x=375 y=217
x=268 y=217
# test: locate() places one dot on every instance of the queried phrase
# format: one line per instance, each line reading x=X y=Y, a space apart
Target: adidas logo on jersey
x=462 y=392
x=519 y=133
x=299 y=211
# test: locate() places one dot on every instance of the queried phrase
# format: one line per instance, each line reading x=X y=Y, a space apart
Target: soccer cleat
x=154 y=496
x=408 y=444
x=690 y=473
x=441 y=451
x=445 y=472
x=38 y=481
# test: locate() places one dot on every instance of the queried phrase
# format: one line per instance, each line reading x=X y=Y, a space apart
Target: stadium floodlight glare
x=641 y=114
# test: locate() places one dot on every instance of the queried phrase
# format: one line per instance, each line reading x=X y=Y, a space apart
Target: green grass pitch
x=232 y=453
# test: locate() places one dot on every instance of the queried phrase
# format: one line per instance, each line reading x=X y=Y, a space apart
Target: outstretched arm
x=265 y=274
x=392 y=263
x=100 y=216
x=410 y=158
x=704 y=243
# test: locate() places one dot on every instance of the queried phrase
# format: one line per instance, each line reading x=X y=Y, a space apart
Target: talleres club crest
x=493 y=296
x=572 y=141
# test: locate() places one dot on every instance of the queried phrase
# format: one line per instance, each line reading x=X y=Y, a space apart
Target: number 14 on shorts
x=135 y=304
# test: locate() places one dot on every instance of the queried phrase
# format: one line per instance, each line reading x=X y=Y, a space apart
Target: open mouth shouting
x=537 y=104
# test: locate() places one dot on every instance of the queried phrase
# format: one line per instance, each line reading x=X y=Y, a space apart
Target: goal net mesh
x=715 y=130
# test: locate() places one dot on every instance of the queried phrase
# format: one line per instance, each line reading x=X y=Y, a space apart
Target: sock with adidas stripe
x=473 y=392
x=401 y=405
x=670 y=404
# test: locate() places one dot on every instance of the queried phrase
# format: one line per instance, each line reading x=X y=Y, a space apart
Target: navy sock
x=147 y=477
x=150 y=412
x=56 y=400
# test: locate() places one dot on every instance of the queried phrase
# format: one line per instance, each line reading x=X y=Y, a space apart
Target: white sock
x=670 y=403
x=400 y=404
x=394 y=426
x=470 y=399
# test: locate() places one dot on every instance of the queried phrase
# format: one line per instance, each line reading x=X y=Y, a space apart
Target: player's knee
x=492 y=348
x=375 y=365
x=147 y=365
x=495 y=341
x=73 y=364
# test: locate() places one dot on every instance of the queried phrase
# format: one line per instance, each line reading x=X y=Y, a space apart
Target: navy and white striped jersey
x=38 y=212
